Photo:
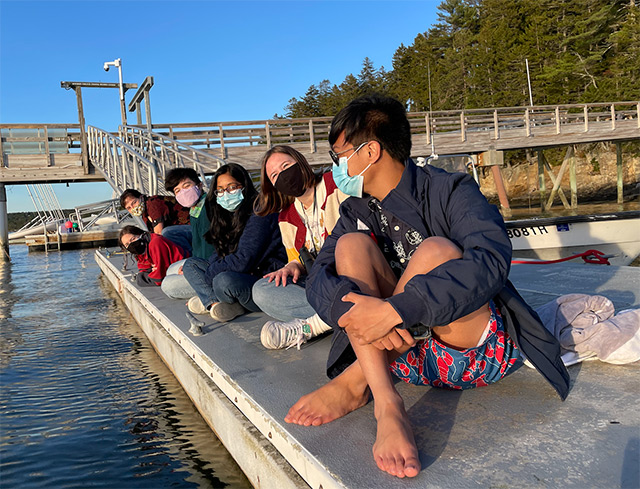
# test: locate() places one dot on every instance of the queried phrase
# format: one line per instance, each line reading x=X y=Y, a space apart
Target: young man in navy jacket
x=413 y=279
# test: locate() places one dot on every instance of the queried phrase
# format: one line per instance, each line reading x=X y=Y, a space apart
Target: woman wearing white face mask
x=308 y=204
x=246 y=247
x=187 y=187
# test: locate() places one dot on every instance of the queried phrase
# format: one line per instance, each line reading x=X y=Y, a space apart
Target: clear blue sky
x=211 y=60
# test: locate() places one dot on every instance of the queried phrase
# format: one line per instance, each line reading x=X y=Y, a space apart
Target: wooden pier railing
x=452 y=131
x=28 y=149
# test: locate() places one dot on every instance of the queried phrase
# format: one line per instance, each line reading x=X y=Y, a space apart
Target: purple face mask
x=189 y=196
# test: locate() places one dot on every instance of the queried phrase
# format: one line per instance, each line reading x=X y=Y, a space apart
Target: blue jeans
x=226 y=287
x=176 y=285
x=180 y=235
x=283 y=303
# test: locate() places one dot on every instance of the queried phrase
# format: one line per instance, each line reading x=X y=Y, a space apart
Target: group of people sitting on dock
x=407 y=266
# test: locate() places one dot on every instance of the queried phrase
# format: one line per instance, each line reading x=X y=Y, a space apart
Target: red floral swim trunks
x=429 y=362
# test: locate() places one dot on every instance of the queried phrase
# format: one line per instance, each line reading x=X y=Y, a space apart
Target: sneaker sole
x=266 y=337
x=223 y=312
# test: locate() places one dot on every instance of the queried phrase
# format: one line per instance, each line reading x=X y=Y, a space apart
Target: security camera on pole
x=118 y=64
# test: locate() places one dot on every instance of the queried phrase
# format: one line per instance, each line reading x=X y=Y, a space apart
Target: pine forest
x=475 y=56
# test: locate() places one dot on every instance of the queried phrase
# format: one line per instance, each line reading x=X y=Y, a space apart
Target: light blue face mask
x=349 y=185
x=231 y=200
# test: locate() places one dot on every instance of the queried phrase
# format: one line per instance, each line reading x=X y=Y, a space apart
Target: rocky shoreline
x=596 y=174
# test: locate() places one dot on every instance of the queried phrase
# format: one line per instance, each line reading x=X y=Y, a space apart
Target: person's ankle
x=356 y=384
x=392 y=403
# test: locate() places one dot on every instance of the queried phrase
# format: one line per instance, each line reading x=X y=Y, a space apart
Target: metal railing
x=121 y=165
x=88 y=215
x=168 y=153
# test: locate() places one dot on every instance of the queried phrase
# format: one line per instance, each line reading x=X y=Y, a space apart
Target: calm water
x=84 y=399
x=533 y=210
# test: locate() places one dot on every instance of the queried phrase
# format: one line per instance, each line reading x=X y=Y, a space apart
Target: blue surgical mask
x=347 y=184
x=231 y=200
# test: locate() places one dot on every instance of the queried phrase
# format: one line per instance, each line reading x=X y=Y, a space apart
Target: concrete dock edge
x=260 y=461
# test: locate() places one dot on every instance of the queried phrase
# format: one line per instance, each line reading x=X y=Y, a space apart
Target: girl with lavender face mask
x=188 y=188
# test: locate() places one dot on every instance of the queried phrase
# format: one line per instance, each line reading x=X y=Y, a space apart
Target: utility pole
x=529 y=83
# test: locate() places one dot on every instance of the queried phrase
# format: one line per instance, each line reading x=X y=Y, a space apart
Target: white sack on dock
x=586 y=327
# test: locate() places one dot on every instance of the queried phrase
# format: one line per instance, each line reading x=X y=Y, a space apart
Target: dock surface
x=516 y=433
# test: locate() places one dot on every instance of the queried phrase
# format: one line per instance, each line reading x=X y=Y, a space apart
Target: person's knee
x=353 y=244
x=189 y=266
x=260 y=292
x=223 y=281
x=436 y=250
x=165 y=286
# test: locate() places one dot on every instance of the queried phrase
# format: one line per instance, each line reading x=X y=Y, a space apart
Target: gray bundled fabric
x=586 y=327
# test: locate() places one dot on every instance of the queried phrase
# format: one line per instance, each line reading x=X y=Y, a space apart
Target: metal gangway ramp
x=140 y=159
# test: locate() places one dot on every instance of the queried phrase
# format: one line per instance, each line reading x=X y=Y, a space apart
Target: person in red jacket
x=153 y=253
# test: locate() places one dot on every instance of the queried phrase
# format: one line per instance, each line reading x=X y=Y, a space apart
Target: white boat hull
x=615 y=235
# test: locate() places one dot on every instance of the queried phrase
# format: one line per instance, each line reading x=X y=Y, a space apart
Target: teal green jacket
x=199 y=226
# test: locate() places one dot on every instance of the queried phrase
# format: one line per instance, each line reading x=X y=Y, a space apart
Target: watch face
x=419 y=331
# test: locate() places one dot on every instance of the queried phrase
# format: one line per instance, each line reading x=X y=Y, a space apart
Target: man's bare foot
x=395 y=449
x=331 y=401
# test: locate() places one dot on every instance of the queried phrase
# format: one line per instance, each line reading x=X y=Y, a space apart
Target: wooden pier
x=139 y=156
x=470 y=131
x=516 y=433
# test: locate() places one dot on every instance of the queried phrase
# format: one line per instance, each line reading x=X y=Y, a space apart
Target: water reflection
x=533 y=210
x=85 y=400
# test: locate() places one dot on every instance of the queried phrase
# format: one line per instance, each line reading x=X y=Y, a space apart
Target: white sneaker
x=224 y=312
x=280 y=334
x=196 y=307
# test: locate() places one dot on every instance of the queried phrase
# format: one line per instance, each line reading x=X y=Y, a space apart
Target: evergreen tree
x=622 y=78
x=476 y=54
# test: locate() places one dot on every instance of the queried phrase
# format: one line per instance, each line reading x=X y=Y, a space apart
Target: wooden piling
x=573 y=182
x=502 y=193
x=541 y=185
x=557 y=181
x=83 y=132
x=620 y=173
x=4 y=225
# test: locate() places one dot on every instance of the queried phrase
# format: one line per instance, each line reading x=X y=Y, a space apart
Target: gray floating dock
x=516 y=433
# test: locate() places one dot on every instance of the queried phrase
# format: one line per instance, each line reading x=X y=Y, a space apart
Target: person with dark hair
x=186 y=185
x=153 y=253
x=413 y=279
x=308 y=204
x=247 y=246
x=161 y=214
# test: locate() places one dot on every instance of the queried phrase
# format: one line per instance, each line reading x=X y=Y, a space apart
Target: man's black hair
x=130 y=192
x=176 y=175
x=374 y=118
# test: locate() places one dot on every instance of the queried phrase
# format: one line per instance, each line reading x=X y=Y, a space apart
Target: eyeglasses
x=232 y=187
x=336 y=156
